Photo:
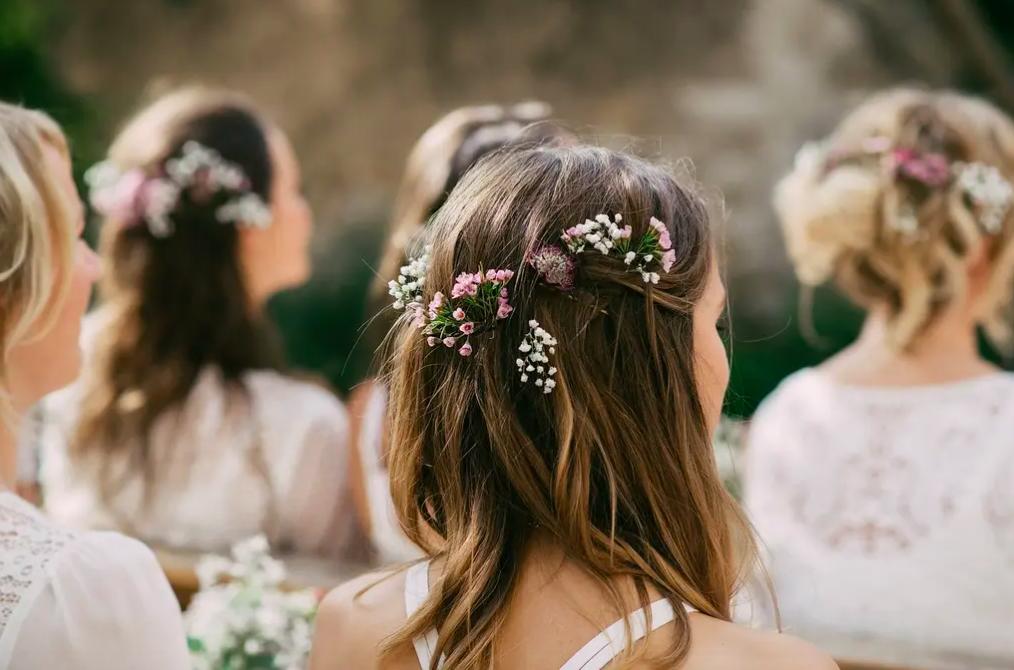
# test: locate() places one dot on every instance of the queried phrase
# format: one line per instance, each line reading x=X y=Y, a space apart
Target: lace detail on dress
x=27 y=543
x=890 y=479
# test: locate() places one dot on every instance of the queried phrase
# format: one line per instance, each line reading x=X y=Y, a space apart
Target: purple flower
x=467 y=328
x=555 y=267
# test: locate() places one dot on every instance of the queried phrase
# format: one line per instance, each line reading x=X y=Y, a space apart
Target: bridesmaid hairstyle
x=36 y=241
x=889 y=205
x=177 y=302
x=616 y=463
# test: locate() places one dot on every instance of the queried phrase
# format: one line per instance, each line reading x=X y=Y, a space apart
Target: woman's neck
x=946 y=351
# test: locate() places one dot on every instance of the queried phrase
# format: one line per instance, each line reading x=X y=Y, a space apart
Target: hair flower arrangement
x=407 y=289
x=478 y=301
x=134 y=197
x=605 y=235
x=536 y=347
x=983 y=186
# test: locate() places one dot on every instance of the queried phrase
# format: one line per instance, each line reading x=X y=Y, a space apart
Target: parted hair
x=839 y=219
x=36 y=237
x=616 y=464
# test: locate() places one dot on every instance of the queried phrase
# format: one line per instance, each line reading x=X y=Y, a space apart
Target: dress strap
x=608 y=644
x=417 y=589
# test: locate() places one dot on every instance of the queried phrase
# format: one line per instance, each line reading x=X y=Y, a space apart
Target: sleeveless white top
x=889 y=512
x=82 y=600
x=596 y=654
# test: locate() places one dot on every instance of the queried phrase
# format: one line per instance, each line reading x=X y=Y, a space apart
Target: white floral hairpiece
x=608 y=237
x=134 y=197
x=989 y=190
x=536 y=347
x=407 y=289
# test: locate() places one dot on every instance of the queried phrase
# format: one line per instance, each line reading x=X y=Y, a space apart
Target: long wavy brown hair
x=177 y=304
x=616 y=464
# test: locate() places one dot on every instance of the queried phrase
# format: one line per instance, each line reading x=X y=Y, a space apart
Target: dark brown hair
x=177 y=304
x=616 y=464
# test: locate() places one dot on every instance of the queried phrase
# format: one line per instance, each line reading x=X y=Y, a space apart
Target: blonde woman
x=184 y=429
x=70 y=600
x=883 y=480
x=437 y=162
x=554 y=386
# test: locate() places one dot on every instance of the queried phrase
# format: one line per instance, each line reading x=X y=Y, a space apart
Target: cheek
x=712 y=370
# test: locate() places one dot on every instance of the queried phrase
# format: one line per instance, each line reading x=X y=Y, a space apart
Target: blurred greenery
x=321 y=323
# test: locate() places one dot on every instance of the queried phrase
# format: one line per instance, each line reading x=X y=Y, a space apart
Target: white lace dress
x=82 y=600
x=888 y=514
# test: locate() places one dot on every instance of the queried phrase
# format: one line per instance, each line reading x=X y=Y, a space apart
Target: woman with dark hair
x=183 y=430
x=437 y=162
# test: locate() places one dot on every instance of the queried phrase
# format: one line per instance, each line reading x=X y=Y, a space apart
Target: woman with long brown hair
x=554 y=386
x=67 y=599
x=184 y=429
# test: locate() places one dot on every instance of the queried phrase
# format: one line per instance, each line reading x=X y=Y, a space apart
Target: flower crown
x=983 y=185
x=480 y=300
x=134 y=197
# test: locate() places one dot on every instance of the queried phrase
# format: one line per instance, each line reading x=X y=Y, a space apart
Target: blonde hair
x=36 y=242
x=616 y=464
x=841 y=217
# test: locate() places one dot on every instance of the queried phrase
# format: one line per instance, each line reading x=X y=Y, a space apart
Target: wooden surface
x=302 y=572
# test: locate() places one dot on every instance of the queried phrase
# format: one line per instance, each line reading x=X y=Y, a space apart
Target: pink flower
x=490 y=275
x=458 y=314
x=932 y=169
x=664 y=240
x=466 y=284
x=449 y=342
x=432 y=341
x=554 y=266
x=119 y=200
x=467 y=328
x=668 y=259
x=504 y=310
x=466 y=349
x=436 y=303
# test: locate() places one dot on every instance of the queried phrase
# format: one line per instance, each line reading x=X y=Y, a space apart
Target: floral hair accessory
x=607 y=236
x=134 y=197
x=477 y=302
x=983 y=185
x=407 y=289
x=536 y=347
x=554 y=265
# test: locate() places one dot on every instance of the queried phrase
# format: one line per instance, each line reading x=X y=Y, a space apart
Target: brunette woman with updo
x=554 y=385
x=882 y=481
x=184 y=430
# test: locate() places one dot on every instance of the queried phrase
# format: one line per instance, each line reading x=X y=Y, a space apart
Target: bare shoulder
x=355 y=618
x=720 y=644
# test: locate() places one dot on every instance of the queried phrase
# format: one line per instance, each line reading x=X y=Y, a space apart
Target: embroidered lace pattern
x=27 y=543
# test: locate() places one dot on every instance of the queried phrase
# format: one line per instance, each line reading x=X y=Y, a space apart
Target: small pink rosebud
x=432 y=341
x=504 y=311
x=449 y=342
x=490 y=275
x=467 y=328
x=466 y=349
x=668 y=259
x=458 y=314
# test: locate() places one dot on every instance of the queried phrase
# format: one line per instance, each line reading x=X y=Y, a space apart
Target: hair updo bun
x=892 y=202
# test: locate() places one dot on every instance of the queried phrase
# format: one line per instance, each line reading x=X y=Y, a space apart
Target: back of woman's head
x=898 y=199
x=441 y=157
x=614 y=462
x=174 y=284
x=36 y=240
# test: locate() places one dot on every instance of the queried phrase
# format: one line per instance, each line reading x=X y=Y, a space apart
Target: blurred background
x=735 y=85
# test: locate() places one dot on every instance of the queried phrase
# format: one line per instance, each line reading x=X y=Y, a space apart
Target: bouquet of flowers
x=242 y=618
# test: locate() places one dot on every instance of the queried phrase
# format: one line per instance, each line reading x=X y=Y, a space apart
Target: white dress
x=888 y=513
x=275 y=461
x=82 y=600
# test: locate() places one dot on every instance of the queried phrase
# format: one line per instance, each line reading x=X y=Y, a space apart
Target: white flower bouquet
x=242 y=618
